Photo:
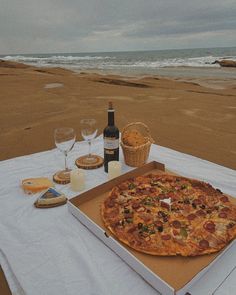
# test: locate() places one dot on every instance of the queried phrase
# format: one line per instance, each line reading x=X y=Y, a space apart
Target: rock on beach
x=226 y=63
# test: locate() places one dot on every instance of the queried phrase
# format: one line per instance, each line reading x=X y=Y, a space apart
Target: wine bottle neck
x=111 y=120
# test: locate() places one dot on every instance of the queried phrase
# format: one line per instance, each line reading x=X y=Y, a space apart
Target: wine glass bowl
x=89 y=132
x=64 y=140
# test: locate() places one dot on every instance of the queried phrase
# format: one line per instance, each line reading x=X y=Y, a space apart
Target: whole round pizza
x=163 y=214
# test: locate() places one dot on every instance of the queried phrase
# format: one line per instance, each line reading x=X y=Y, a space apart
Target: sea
x=172 y=62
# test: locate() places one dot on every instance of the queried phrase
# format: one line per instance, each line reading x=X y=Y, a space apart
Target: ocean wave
x=113 y=61
x=53 y=59
x=205 y=61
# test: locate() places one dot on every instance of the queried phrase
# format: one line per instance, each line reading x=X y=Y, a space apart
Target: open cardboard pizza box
x=168 y=275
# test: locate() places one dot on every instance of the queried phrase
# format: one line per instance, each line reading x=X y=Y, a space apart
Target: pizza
x=162 y=214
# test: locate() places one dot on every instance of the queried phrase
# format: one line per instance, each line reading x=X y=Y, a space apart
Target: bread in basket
x=136 y=142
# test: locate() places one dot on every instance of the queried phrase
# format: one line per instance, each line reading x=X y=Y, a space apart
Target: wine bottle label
x=111 y=143
x=109 y=152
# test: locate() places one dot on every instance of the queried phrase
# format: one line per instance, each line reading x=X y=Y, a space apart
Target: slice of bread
x=34 y=185
x=133 y=138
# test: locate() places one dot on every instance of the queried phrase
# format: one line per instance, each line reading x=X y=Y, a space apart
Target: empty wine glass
x=64 y=140
x=89 y=132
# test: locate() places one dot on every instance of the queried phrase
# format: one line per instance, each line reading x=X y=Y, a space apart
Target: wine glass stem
x=65 y=153
x=89 y=142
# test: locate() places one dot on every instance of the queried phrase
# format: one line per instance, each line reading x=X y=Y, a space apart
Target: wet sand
x=192 y=115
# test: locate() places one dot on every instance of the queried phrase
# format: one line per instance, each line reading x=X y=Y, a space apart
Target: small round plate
x=60 y=178
x=81 y=163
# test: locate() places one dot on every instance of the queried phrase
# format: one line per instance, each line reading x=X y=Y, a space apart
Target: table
x=48 y=251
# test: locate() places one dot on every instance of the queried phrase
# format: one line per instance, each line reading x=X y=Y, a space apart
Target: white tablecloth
x=50 y=252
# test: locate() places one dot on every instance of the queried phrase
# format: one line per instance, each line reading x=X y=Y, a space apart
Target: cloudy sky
x=49 y=26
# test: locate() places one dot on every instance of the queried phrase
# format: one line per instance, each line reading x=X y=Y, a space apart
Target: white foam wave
x=179 y=62
x=82 y=62
x=54 y=58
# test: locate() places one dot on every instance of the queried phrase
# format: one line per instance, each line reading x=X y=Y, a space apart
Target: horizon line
x=138 y=50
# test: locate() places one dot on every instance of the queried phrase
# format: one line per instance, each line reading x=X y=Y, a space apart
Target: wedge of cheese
x=50 y=198
x=34 y=185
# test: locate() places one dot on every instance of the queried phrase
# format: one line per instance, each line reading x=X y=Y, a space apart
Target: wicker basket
x=137 y=156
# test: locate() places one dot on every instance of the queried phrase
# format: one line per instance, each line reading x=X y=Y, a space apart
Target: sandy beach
x=196 y=116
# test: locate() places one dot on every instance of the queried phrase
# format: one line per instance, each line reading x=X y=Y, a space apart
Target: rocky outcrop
x=12 y=64
x=121 y=83
x=226 y=63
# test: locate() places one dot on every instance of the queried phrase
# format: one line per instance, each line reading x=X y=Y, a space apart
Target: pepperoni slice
x=224 y=199
x=132 y=229
x=110 y=203
x=202 y=198
x=162 y=196
x=138 y=191
x=114 y=212
x=176 y=224
x=222 y=215
x=209 y=226
x=128 y=215
x=115 y=224
x=171 y=195
x=145 y=191
x=135 y=205
x=166 y=237
x=146 y=216
x=196 y=202
x=165 y=205
x=201 y=213
x=225 y=209
x=191 y=216
x=158 y=223
x=204 y=244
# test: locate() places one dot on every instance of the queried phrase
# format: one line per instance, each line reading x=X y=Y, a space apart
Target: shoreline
x=168 y=72
x=194 y=115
